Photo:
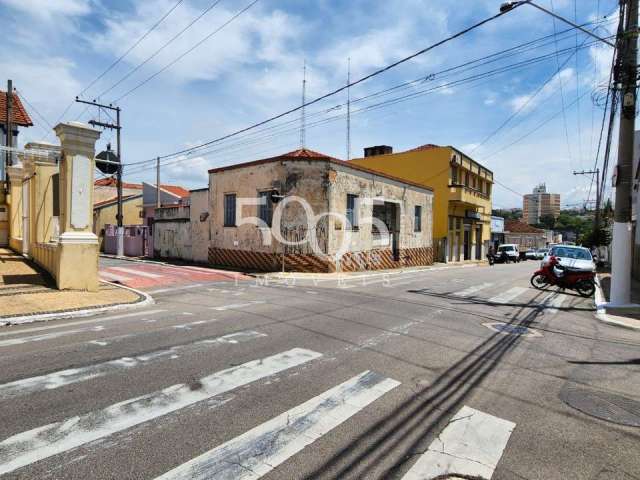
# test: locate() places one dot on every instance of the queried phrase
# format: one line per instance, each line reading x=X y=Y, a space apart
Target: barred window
x=230 y=210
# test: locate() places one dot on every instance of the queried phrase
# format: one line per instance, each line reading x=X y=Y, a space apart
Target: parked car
x=531 y=254
x=570 y=256
x=541 y=252
x=508 y=252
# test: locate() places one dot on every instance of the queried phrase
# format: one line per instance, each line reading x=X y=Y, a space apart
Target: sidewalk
x=627 y=316
x=27 y=291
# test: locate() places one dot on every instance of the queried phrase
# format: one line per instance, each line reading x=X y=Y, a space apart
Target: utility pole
x=158 y=182
x=303 y=120
x=626 y=78
x=348 y=109
x=596 y=172
x=117 y=127
x=9 y=136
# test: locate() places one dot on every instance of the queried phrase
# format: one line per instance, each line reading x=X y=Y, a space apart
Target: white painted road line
x=471 y=444
x=173 y=289
x=136 y=272
x=553 y=302
x=237 y=305
x=187 y=326
x=467 y=292
x=113 y=277
x=39 y=443
x=62 y=378
x=47 y=336
x=139 y=313
x=508 y=295
x=261 y=449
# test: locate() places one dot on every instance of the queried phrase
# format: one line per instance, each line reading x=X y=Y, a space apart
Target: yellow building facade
x=462 y=195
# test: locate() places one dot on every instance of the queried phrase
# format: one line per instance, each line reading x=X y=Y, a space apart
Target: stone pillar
x=78 y=245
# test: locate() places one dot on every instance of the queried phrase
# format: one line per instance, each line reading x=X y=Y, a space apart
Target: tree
x=547 y=222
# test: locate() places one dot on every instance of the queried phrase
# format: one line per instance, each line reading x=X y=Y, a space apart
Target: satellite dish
x=109 y=156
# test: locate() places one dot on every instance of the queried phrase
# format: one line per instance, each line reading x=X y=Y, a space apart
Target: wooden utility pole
x=626 y=80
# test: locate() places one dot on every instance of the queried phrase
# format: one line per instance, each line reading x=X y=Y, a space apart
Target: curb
x=144 y=299
x=604 y=317
x=357 y=275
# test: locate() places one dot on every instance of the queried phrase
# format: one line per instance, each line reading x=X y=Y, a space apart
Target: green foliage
x=515 y=214
x=547 y=222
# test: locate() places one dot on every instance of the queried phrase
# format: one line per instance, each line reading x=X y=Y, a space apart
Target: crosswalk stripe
x=136 y=272
x=47 y=336
x=83 y=322
x=43 y=442
x=68 y=376
x=553 y=303
x=471 y=445
x=113 y=276
x=467 y=292
x=508 y=295
x=261 y=449
x=173 y=289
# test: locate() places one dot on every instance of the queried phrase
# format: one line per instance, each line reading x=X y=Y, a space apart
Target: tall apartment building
x=539 y=204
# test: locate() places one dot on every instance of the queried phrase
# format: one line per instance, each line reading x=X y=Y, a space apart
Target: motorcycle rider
x=490 y=255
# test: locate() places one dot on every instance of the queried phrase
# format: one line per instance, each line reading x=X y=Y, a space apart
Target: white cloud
x=47 y=9
x=529 y=101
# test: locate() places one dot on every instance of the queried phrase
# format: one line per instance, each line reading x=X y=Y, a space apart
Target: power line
x=344 y=87
x=371 y=107
x=530 y=98
x=177 y=59
x=472 y=64
x=564 y=114
x=121 y=57
x=162 y=47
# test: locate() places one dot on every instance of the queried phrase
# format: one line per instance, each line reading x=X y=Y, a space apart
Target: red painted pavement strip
x=166 y=275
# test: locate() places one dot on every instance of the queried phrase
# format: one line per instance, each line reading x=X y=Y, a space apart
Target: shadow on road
x=402 y=432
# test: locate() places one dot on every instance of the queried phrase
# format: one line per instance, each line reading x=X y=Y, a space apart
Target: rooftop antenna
x=303 y=125
x=348 y=108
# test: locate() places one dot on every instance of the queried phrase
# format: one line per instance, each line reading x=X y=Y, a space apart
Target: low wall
x=47 y=256
x=377 y=259
x=15 y=244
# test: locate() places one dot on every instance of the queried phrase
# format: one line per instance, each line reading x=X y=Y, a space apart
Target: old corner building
x=383 y=221
x=462 y=195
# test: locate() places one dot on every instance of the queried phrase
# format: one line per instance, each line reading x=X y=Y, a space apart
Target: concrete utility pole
x=117 y=127
x=596 y=172
x=626 y=78
x=158 y=182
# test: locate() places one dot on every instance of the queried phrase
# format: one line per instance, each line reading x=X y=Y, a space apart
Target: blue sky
x=252 y=69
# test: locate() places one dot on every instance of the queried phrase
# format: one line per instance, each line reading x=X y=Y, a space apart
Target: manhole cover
x=606 y=406
x=509 y=329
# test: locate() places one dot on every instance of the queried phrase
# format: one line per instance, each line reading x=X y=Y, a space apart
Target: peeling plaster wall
x=369 y=187
x=200 y=225
x=305 y=179
x=325 y=187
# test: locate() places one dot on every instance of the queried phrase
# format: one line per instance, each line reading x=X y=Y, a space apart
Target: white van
x=511 y=249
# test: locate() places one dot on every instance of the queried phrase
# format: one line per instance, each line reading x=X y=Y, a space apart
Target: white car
x=511 y=249
x=578 y=258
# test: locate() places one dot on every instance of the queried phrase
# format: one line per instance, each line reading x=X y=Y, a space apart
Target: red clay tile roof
x=516 y=226
x=176 y=190
x=111 y=182
x=115 y=199
x=19 y=115
x=310 y=155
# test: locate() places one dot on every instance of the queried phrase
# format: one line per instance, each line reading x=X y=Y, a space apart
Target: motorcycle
x=553 y=273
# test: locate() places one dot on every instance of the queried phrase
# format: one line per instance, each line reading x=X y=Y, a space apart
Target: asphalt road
x=465 y=370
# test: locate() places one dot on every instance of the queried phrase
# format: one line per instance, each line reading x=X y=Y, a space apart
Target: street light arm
x=505 y=7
